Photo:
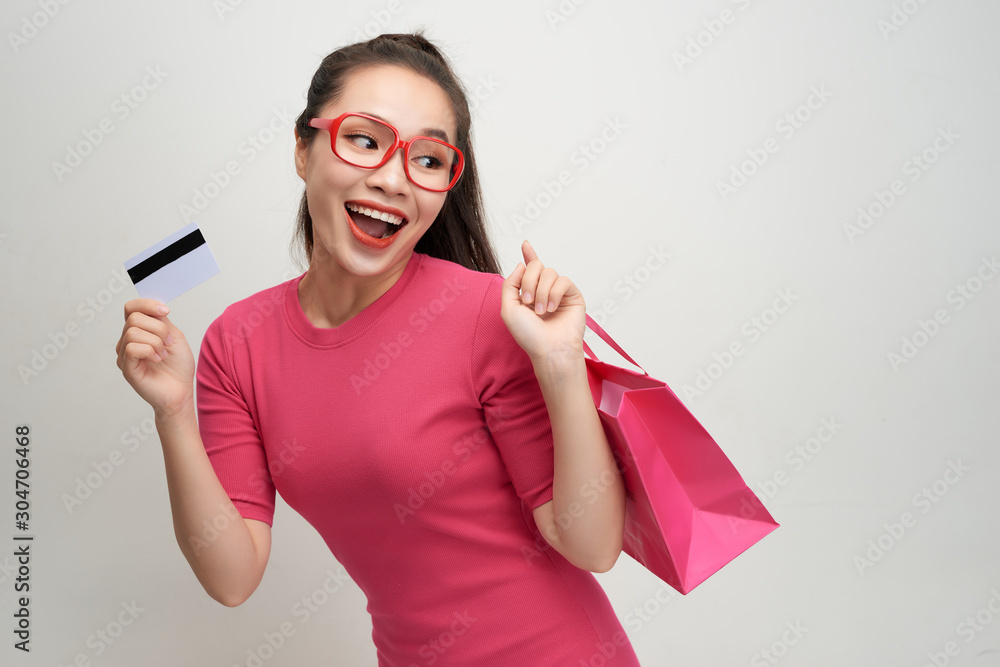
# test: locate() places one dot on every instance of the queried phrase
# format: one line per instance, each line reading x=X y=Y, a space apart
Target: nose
x=391 y=176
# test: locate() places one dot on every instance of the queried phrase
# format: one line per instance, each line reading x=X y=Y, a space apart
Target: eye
x=362 y=140
x=429 y=162
x=430 y=155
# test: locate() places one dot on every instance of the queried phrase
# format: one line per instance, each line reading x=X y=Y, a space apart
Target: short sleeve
x=512 y=402
x=229 y=432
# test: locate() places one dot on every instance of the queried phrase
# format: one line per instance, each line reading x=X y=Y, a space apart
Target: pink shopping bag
x=688 y=510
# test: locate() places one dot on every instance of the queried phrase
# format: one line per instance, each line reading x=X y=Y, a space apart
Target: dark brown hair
x=458 y=234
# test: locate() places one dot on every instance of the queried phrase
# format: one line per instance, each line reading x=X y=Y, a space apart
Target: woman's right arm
x=227 y=553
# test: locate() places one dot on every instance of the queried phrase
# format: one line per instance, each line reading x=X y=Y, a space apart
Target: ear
x=301 y=155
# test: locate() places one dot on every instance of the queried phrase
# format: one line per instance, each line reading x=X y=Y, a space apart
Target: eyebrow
x=427 y=131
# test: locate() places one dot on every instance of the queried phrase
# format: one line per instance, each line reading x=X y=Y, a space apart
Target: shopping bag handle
x=596 y=328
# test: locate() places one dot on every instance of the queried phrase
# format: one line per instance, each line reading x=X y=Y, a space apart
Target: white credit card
x=173 y=266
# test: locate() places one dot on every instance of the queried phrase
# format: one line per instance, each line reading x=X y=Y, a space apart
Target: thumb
x=511 y=289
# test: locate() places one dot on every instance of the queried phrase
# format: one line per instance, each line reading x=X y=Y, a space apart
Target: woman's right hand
x=161 y=372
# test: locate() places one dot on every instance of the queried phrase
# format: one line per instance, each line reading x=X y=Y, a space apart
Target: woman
x=431 y=420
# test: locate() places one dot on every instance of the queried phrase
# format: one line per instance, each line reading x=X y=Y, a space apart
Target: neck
x=330 y=295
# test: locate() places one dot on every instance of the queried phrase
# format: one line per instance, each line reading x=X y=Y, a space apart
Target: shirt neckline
x=354 y=327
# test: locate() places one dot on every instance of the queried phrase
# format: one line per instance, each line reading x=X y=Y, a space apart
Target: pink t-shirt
x=415 y=439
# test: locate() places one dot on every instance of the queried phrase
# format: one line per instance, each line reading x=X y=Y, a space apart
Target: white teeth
x=374 y=213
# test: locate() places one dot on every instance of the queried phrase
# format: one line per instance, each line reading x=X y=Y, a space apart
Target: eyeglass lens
x=363 y=142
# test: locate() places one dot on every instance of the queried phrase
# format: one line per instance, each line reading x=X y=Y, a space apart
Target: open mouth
x=374 y=223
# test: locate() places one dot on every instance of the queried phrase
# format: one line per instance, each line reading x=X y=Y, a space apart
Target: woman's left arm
x=585 y=519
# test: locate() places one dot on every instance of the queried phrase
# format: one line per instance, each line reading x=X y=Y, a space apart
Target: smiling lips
x=375 y=226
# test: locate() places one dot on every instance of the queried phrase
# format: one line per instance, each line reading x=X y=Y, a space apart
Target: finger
x=529 y=282
x=136 y=354
x=137 y=334
x=157 y=325
x=149 y=306
x=509 y=291
x=546 y=280
x=559 y=290
x=143 y=337
x=529 y=253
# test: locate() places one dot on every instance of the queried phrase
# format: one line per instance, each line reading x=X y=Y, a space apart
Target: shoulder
x=241 y=318
x=448 y=281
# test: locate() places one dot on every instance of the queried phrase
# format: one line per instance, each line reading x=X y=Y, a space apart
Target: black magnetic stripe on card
x=171 y=253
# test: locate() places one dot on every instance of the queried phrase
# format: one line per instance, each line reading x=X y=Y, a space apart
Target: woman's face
x=412 y=104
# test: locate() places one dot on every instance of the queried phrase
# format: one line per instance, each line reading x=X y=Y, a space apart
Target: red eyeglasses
x=367 y=142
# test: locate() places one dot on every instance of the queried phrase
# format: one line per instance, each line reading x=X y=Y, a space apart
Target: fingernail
x=526 y=297
x=539 y=308
x=163 y=309
x=170 y=339
x=552 y=306
x=165 y=353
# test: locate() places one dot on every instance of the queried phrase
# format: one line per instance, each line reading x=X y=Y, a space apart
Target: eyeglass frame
x=332 y=125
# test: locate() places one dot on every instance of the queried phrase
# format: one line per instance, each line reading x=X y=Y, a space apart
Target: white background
x=861 y=591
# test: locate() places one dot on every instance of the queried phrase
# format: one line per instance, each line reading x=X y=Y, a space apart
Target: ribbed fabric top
x=415 y=439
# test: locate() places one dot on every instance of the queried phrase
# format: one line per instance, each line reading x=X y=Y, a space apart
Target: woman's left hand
x=554 y=336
